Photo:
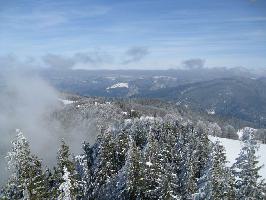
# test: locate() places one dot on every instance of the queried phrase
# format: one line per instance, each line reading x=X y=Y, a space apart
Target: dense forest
x=138 y=158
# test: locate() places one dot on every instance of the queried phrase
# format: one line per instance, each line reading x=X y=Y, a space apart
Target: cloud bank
x=135 y=54
x=195 y=63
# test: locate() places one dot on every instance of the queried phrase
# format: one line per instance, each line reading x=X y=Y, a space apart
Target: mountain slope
x=243 y=98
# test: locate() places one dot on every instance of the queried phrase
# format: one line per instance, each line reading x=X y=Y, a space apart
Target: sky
x=138 y=34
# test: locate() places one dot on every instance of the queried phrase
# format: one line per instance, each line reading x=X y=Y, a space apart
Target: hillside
x=242 y=98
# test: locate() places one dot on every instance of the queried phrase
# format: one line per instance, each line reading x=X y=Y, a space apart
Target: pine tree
x=121 y=148
x=168 y=185
x=170 y=163
x=105 y=164
x=65 y=187
x=185 y=147
x=133 y=173
x=230 y=184
x=202 y=152
x=63 y=158
x=27 y=179
x=215 y=183
x=248 y=181
x=85 y=163
x=152 y=167
x=64 y=163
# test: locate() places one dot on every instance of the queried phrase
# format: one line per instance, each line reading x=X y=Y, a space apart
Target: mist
x=27 y=102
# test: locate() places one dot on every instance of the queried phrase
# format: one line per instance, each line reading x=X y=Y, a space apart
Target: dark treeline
x=141 y=158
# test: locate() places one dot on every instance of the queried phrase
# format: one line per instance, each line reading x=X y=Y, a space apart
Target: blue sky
x=150 y=34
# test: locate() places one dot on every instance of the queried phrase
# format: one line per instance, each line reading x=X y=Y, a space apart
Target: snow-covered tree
x=105 y=164
x=215 y=183
x=65 y=187
x=84 y=164
x=168 y=184
x=229 y=132
x=202 y=147
x=133 y=173
x=249 y=183
x=27 y=178
x=186 y=147
x=215 y=130
x=152 y=171
x=64 y=162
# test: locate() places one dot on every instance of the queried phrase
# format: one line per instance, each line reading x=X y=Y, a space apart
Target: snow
x=164 y=77
x=65 y=186
x=118 y=85
x=147 y=118
x=124 y=113
x=111 y=78
x=128 y=121
x=66 y=102
x=210 y=111
x=178 y=103
x=233 y=149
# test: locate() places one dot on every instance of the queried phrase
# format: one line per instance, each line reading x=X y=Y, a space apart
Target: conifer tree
x=186 y=147
x=27 y=179
x=168 y=185
x=65 y=187
x=105 y=164
x=121 y=148
x=202 y=152
x=170 y=163
x=152 y=167
x=133 y=173
x=85 y=163
x=66 y=165
x=216 y=183
x=249 y=184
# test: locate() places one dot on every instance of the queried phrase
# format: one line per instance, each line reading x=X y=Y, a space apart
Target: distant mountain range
x=230 y=93
x=234 y=92
x=97 y=82
x=242 y=98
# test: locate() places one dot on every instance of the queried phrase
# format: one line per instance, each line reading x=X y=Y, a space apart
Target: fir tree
x=248 y=181
x=27 y=179
x=168 y=185
x=152 y=167
x=64 y=163
x=65 y=187
x=105 y=164
x=215 y=183
x=85 y=162
x=133 y=173
x=202 y=152
x=185 y=147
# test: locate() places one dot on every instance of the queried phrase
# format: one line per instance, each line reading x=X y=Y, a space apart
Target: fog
x=26 y=103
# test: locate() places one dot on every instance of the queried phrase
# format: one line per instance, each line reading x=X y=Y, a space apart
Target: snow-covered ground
x=233 y=149
x=66 y=102
x=210 y=111
x=118 y=85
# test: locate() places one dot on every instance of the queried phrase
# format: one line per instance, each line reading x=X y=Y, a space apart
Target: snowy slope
x=118 y=85
x=66 y=102
x=233 y=149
